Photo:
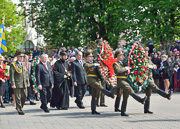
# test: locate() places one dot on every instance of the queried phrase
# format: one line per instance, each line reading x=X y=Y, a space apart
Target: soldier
x=19 y=79
x=123 y=87
x=153 y=86
x=93 y=80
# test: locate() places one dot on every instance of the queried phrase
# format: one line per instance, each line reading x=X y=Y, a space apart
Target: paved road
x=166 y=116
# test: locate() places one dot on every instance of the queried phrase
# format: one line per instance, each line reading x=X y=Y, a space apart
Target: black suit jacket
x=44 y=77
x=78 y=72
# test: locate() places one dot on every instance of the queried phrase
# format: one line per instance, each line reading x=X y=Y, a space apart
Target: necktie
x=46 y=66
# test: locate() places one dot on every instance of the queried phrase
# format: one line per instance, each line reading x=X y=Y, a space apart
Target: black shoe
x=2 y=106
x=45 y=109
x=148 y=112
x=32 y=103
x=117 y=110
x=95 y=112
x=21 y=113
x=81 y=107
x=124 y=114
x=37 y=98
x=169 y=94
x=6 y=102
x=58 y=108
x=103 y=105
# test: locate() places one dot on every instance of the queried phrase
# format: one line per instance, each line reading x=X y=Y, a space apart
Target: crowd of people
x=71 y=71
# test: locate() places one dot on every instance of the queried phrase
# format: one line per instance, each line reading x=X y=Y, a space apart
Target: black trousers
x=80 y=91
x=30 y=93
x=45 y=95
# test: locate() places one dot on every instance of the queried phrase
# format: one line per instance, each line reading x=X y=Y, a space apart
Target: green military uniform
x=93 y=82
x=101 y=96
x=153 y=86
x=123 y=87
x=19 y=77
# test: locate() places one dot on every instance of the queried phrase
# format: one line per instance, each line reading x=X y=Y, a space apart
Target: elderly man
x=19 y=79
x=45 y=81
x=80 y=79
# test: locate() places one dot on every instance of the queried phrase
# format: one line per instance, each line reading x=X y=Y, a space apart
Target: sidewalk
x=166 y=116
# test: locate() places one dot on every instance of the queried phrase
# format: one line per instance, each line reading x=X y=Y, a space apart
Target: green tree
x=14 y=31
x=76 y=22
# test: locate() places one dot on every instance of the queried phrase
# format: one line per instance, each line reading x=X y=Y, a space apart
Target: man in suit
x=19 y=79
x=80 y=79
x=30 y=88
x=123 y=86
x=45 y=81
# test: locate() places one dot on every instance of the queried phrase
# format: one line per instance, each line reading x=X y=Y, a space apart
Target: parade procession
x=89 y=64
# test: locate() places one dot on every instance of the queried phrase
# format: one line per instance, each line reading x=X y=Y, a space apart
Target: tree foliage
x=76 y=22
x=14 y=31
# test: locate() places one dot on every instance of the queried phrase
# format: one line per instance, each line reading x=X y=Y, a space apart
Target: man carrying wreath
x=123 y=86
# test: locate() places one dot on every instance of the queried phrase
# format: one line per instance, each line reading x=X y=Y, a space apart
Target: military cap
x=87 y=54
x=118 y=52
x=19 y=53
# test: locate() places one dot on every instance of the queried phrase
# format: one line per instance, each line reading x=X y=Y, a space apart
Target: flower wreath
x=106 y=59
x=138 y=62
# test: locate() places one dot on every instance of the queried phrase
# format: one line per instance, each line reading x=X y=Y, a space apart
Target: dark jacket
x=44 y=77
x=166 y=67
x=78 y=72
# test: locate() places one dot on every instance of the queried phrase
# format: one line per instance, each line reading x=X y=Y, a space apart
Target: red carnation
x=135 y=55
x=137 y=79
x=141 y=67
x=133 y=66
x=139 y=60
x=136 y=73
x=139 y=54
x=140 y=49
x=100 y=46
x=104 y=56
x=146 y=74
x=143 y=60
x=144 y=54
x=132 y=62
x=145 y=70
x=132 y=52
x=141 y=73
x=141 y=82
x=136 y=47
x=144 y=77
x=70 y=71
x=130 y=59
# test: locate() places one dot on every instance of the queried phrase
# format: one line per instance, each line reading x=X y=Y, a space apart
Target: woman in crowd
x=156 y=73
x=165 y=72
x=2 y=79
x=177 y=59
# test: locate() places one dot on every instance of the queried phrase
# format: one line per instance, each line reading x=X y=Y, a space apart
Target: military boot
x=138 y=98
x=117 y=102
x=164 y=94
x=108 y=93
x=123 y=108
x=93 y=107
x=146 y=106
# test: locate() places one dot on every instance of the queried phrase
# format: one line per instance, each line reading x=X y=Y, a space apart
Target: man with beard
x=60 y=96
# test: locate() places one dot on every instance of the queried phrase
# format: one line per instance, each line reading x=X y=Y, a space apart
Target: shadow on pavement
x=81 y=115
x=155 y=120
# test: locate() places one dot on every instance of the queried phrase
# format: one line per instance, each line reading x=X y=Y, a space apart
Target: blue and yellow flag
x=3 y=46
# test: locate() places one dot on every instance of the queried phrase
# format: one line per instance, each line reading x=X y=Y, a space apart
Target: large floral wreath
x=106 y=59
x=138 y=62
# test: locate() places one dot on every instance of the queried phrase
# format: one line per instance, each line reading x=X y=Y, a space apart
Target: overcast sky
x=15 y=1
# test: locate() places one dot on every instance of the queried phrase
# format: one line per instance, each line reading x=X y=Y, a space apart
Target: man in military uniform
x=123 y=87
x=19 y=79
x=93 y=81
x=153 y=86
